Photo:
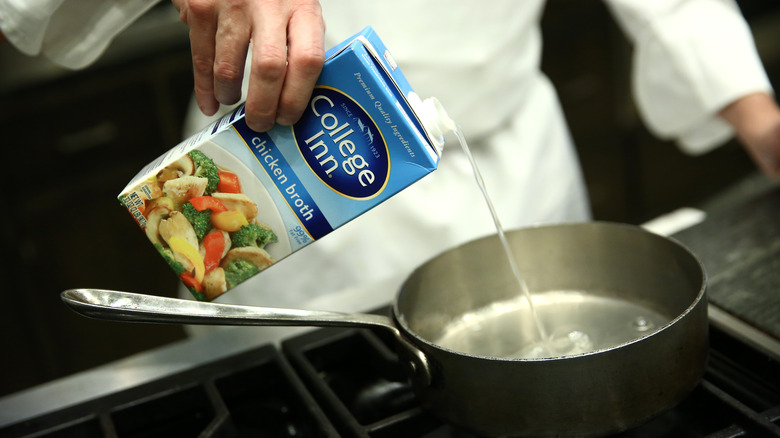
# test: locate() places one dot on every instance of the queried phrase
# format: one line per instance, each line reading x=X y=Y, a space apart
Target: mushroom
x=161 y=201
x=257 y=256
x=228 y=243
x=153 y=219
x=182 y=189
x=238 y=201
x=178 y=225
x=179 y=168
x=214 y=283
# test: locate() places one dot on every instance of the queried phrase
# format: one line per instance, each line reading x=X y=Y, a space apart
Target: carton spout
x=433 y=117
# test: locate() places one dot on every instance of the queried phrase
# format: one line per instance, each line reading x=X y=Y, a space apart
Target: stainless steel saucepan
x=624 y=313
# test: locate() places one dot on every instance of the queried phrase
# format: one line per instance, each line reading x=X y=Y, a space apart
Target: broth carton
x=229 y=202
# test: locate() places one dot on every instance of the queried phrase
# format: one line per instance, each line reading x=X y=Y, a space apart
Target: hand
x=756 y=119
x=287 y=55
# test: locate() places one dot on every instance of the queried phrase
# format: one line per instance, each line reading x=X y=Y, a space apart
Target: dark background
x=74 y=139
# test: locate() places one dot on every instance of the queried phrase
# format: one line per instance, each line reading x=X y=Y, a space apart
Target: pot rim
x=407 y=332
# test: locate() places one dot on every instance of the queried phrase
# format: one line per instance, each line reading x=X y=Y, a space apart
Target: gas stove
x=348 y=383
x=330 y=382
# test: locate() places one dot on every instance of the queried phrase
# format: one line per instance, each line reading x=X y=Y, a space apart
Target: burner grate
x=354 y=374
x=332 y=382
x=186 y=411
x=737 y=398
x=251 y=394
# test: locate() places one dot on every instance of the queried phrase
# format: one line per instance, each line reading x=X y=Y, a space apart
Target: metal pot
x=455 y=318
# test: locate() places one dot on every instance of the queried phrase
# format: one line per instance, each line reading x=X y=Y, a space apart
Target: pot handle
x=126 y=306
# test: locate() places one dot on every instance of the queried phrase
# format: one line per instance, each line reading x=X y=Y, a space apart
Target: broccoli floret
x=205 y=168
x=239 y=271
x=252 y=235
x=200 y=220
x=198 y=295
x=168 y=256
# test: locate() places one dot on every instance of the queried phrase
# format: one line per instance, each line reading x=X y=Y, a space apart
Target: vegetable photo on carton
x=202 y=224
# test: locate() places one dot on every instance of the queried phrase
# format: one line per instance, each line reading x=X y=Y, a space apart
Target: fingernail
x=260 y=126
x=227 y=97
x=209 y=109
x=285 y=120
x=288 y=118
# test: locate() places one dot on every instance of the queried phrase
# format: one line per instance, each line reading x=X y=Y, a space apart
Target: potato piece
x=214 y=283
x=178 y=225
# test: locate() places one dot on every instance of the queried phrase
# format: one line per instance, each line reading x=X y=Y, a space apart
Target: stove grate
x=255 y=393
x=332 y=382
x=727 y=404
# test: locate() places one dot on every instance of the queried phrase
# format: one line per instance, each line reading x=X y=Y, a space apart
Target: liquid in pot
x=577 y=322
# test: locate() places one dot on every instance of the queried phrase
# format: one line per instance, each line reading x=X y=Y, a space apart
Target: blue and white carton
x=229 y=202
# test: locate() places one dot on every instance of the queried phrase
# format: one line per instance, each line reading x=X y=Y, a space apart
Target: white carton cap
x=433 y=117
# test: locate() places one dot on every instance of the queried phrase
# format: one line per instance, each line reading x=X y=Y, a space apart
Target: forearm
x=756 y=120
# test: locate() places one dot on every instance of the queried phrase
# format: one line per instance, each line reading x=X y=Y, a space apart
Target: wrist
x=756 y=120
x=751 y=116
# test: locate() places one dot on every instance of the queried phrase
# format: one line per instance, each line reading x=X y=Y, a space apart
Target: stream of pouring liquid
x=615 y=321
x=540 y=329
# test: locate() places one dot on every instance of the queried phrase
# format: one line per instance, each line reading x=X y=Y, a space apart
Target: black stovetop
x=347 y=383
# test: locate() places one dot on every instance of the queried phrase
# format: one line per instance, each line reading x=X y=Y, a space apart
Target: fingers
x=201 y=18
x=305 y=57
x=287 y=55
x=269 y=65
x=231 y=41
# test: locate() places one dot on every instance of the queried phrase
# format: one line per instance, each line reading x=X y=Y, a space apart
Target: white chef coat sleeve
x=71 y=33
x=691 y=58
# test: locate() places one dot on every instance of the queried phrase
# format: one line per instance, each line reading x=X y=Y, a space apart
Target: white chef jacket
x=481 y=60
x=72 y=33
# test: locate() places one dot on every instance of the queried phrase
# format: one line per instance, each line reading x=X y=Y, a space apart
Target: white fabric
x=691 y=58
x=72 y=33
x=481 y=60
